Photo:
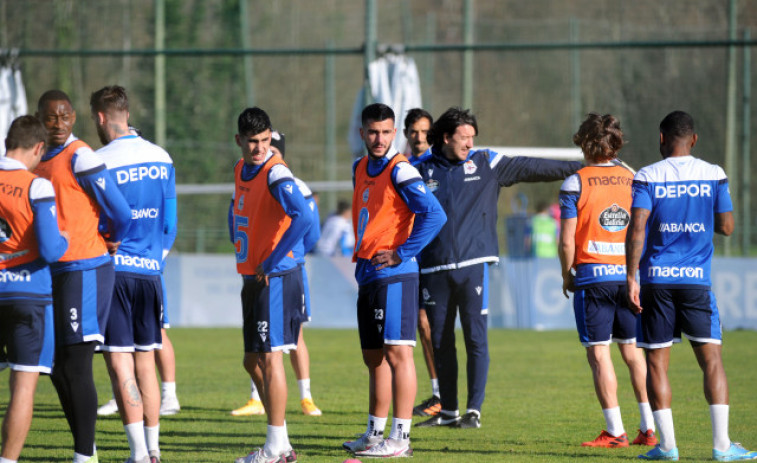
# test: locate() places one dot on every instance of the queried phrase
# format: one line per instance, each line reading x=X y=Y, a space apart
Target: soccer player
x=165 y=360
x=164 y=357
x=144 y=173
x=83 y=278
x=394 y=217
x=418 y=123
x=300 y=357
x=29 y=241
x=678 y=203
x=454 y=266
x=337 y=236
x=268 y=217
x=595 y=207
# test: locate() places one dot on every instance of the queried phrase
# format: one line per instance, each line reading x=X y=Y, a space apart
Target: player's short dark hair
x=448 y=123
x=25 y=132
x=376 y=112
x=342 y=206
x=110 y=98
x=677 y=124
x=599 y=137
x=253 y=121
x=52 y=95
x=416 y=114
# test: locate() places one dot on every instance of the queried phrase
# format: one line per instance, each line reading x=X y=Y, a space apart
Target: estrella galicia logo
x=366 y=193
x=5 y=230
x=614 y=218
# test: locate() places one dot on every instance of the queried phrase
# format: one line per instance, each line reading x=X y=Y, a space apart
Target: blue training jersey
x=307 y=243
x=32 y=280
x=429 y=219
x=683 y=194
x=281 y=184
x=93 y=177
x=145 y=175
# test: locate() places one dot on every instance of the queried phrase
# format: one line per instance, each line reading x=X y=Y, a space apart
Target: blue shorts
x=603 y=316
x=387 y=311
x=135 y=314
x=272 y=314
x=165 y=324
x=668 y=312
x=81 y=304
x=27 y=340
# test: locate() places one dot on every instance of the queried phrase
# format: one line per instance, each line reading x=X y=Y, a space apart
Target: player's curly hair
x=599 y=137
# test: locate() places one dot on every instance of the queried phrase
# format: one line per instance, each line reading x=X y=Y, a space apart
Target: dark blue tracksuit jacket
x=468 y=191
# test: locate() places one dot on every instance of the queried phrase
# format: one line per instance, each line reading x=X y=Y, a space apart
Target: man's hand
x=634 y=303
x=112 y=247
x=386 y=258
x=568 y=284
x=260 y=274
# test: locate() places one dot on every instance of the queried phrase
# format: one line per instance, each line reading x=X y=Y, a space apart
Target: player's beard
x=101 y=135
x=384 y=153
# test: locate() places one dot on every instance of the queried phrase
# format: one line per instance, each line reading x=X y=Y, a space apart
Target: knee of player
x=398 y=355
x=373 y=358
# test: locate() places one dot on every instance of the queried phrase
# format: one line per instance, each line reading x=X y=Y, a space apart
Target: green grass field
x=540 y=403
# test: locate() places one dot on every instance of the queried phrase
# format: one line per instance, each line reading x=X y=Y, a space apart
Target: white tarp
x=12 y=94
x=394 y=82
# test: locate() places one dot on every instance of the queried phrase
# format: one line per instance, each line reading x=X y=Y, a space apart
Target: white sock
x=79 y=458
x=5 y=460
x=168 y=389
x=435 y=387
x=276 y=440
x=304 y=385
x=719 y=418
x=376 y=426
x=254 y=391
x=400 y=429
x=613 y=421
x=135 y=434
x=664 y=420
x=452 y=413
x=647 y=420
x=152 y=435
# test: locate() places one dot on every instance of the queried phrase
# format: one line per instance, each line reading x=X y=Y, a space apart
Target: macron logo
x=101 y=183
x=53 y=211
x=288 y=188
x=478 y=290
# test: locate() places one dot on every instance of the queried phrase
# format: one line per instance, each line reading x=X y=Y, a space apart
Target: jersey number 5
x=240 y=237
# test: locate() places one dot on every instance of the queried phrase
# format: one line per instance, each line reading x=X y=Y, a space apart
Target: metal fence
x=530 y=70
